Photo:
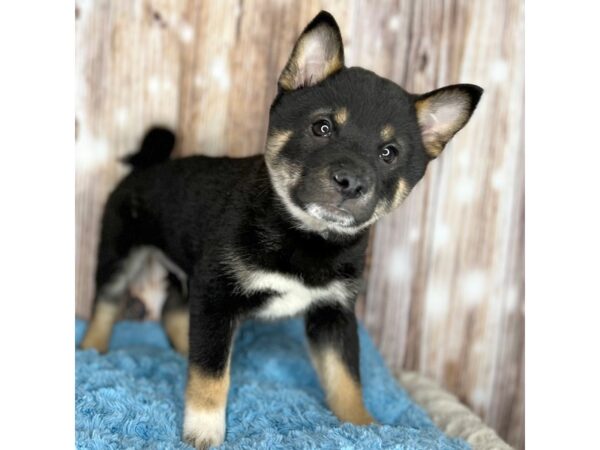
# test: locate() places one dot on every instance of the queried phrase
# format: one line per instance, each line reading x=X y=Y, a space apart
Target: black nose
x=349 y=184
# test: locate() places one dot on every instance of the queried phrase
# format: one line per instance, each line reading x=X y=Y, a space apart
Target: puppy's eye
x=388 y=154
x=322 y=128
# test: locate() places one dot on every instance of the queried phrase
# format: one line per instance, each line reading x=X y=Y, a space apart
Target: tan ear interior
x=317 y=55
x=440 y=117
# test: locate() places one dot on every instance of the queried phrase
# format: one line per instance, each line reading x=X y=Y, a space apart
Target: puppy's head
x=346 y=146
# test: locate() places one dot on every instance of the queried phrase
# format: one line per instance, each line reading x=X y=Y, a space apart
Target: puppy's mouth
x=330 y=213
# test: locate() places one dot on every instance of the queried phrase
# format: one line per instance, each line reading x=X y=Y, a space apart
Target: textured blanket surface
x=132 y=397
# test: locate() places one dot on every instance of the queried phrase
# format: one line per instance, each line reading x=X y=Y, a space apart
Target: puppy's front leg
x=333 y=339
x=211 y=333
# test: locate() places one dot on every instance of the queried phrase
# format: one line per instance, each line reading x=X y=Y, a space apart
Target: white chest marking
x=292 y=295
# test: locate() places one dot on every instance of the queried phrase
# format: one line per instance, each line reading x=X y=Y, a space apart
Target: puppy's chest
x=288 y=295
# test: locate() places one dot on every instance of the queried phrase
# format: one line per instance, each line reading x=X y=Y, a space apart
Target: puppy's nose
x=348 y=184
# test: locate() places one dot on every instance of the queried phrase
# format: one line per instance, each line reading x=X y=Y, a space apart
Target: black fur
x=156 y=147
x=214 y=217
x=334 y=327
x=191 y=208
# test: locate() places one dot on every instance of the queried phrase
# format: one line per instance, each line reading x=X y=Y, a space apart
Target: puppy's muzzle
x=349 y=184
x=351 y=181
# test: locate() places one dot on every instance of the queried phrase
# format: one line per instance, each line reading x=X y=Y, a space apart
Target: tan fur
x=177 y=325
x=435 y=138
x=289 y=79
x=333 y=65
x=343 y=393
x=383 y=207
x=432 y=143
x=402 y=191
x=276 y=141
x=341 y=116
x=100 y=328
x=205 y=392
x=283 y=175
x=387 y=133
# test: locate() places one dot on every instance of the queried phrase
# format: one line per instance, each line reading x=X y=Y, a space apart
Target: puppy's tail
x=156 y=147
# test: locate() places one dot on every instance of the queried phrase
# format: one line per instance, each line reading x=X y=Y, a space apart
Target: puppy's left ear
x=318 y=53
x=443 y=112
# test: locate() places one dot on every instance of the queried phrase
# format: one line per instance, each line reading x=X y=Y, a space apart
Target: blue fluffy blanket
x=132 y=397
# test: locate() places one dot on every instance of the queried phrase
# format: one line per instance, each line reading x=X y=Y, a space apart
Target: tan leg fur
x=100 y=328
x=177 y=325
x=343 y=393
x=205 y=403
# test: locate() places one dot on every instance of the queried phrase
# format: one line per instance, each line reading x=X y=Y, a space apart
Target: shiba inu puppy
x=274 y=235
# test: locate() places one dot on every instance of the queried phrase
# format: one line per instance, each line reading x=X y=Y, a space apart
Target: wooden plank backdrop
x=445 y=281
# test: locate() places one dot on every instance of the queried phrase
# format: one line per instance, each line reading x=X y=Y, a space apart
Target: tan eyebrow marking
x=340 y=116
x=387 y=132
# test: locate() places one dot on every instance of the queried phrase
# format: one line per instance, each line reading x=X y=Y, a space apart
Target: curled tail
x=156 y=148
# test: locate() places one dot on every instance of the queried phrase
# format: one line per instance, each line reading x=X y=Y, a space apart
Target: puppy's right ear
x=318 y=53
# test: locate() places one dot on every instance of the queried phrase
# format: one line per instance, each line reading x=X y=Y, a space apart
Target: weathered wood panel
x=445 y=286
x=445 y=282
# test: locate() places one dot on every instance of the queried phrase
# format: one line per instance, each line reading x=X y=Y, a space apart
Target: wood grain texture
x=445 y=283
x=446 y=280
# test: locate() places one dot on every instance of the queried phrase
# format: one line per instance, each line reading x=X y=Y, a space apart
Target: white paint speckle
x=378 y=44
x=154 y=84
x=394 y=23
x=464 y=190
x=436 y=300
x=219 y=71
x=512 y=299
x=498 y=180
x=441 y=235
x=349 y=50
x=157 y=85
x=168 y=85
x=399 y=268
x=463 y=160
x=90 y=151
x=121 y=116
x=414 y=235
x=473 y=286
x=186 y=32
x=499 y=70
x=479 y=397
x=237 y=10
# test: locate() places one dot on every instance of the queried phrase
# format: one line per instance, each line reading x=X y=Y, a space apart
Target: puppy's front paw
x=360 y=417
x=204 y=428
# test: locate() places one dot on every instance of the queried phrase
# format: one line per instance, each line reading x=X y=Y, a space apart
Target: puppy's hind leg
x=117 y=266
x=113 y=280
x=176 y=315
x=109 y=302
x=99 y=330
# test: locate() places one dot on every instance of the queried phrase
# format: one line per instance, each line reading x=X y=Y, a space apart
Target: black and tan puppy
x=276 y=235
